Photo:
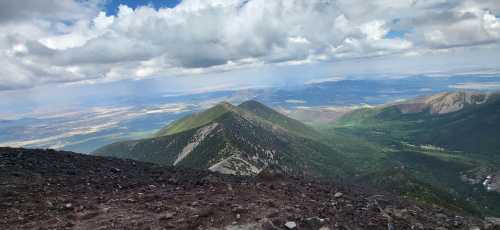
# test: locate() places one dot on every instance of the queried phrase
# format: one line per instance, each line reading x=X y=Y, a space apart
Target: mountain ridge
x=275 y=117
x=239 y=140
x=196 y=120
x=455 y=148
x=444 y=103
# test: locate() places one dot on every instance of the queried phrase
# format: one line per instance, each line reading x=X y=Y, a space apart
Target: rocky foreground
x=45 y=189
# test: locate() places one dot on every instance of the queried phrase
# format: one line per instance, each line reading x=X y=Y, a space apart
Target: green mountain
x=239 y=140
x=448 y=141
x=279 y=119
x=464 y=122
x=195 y=120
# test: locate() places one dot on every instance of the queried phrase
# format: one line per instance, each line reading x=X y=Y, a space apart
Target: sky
x=188 y=45
x=111 y=6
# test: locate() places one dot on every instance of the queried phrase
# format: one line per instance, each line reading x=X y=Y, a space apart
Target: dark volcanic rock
x=46 y=189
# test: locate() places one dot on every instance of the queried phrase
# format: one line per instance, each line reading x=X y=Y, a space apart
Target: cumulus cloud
x=11 y=11
x=72 y=41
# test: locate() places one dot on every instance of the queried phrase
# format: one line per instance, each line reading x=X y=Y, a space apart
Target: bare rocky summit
x=46 y=189
x=443 y=103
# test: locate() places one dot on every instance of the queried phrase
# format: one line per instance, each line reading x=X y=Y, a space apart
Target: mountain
x=268 y=114
x=465 y=122
x=448 y=141
x=443 y=103
x=196 y=120
x=47 y=189
x=239 y=140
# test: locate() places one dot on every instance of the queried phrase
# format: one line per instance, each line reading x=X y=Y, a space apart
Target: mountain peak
x=225 y=104
x=239 y=140
x=251 y=102
x=197 y=119
x=443 y=103
x=255 y=106
x=277 y=118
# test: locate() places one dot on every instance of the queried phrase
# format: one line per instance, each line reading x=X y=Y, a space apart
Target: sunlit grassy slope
x=195 y=120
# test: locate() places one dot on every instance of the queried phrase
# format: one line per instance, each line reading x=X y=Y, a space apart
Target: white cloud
x=81 y=32
x=477 y=86
x=323 y=80
x=15 y=11
x=71 y=41
x=374 y=30
x=491 y=24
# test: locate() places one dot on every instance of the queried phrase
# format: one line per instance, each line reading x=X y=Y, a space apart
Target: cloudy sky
x=68 y=42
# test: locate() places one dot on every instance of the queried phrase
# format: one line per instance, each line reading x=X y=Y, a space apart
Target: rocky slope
x=443 y=103
x=239 y=140
x=45 y=189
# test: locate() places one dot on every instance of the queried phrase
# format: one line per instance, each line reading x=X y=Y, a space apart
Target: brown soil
x=45 y=189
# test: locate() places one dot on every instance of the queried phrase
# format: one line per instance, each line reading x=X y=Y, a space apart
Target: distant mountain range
x=440 y=149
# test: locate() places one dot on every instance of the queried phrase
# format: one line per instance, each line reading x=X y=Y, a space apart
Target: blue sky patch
x=396 y=34
x=112 y=6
